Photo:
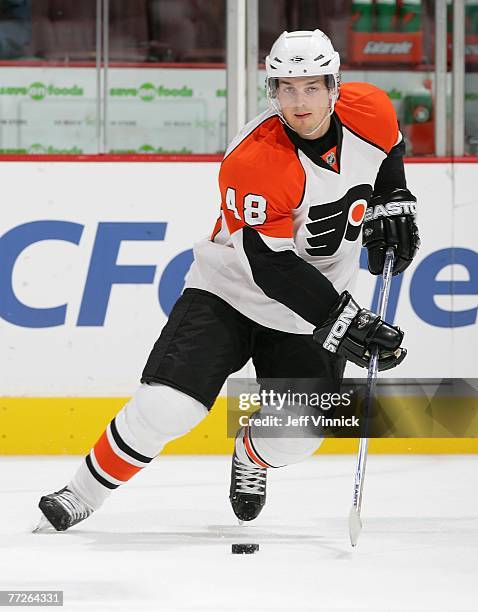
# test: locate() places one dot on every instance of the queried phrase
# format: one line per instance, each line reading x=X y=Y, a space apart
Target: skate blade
x=241 y=523
x=44 y=526
x=355 y=525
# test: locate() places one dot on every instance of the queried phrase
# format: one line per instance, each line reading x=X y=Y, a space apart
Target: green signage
x=148 y=149
x=147 y=92
x=39 y=91
x=39 y=149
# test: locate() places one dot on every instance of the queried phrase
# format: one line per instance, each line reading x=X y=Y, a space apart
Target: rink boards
x=93 y=255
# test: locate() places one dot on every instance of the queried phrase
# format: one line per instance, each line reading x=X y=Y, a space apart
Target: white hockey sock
x=272 y=446
x=155 y=415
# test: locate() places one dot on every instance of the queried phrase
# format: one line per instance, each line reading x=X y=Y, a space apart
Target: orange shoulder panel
x=369 y=112
x=262 y=181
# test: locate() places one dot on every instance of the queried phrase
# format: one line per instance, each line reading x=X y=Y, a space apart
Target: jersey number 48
x=254 y=207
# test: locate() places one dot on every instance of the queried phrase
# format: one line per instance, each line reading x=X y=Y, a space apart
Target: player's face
x=305 y=103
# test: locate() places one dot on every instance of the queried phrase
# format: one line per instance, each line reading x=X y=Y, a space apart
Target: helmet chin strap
x=320 y=124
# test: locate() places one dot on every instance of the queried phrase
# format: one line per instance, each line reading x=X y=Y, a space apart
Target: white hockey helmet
x=301 y=54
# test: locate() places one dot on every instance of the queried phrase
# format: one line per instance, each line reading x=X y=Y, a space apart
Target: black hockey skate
x=248 y=489
x=62 y=509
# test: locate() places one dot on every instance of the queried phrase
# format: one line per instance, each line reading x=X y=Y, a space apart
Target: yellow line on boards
x=71 y=425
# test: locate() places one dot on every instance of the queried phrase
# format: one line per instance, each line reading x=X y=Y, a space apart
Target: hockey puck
x=244 y=549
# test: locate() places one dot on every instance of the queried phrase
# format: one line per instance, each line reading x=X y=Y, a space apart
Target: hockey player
x=297 y=185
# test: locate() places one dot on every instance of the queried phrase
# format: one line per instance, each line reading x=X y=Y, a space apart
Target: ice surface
x=163 y=541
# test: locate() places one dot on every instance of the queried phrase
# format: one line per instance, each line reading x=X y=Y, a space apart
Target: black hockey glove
x=351 y=331
x=390 y=221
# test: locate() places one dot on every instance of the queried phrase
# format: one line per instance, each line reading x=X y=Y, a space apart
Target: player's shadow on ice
x=212 y=536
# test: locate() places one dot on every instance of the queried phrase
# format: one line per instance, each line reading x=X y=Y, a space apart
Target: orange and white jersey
x=275 y=197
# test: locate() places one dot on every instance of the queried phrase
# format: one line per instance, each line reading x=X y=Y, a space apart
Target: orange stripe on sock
x=250 y=451
x=109 y=461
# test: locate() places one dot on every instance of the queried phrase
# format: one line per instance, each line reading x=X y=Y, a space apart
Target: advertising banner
x=53 y=110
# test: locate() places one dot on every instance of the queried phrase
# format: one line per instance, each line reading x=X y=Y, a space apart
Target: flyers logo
x=335 y=221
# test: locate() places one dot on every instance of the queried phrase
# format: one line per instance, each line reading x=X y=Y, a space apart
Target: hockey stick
x=355 y=523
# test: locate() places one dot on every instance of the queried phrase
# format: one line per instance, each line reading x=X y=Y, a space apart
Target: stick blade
x=355 y=525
